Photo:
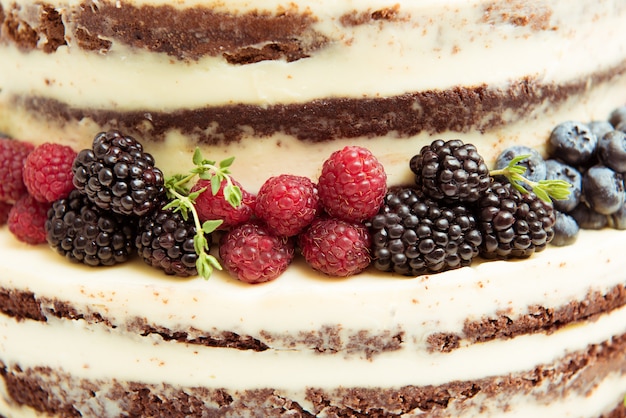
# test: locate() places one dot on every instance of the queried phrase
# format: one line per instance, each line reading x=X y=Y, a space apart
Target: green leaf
x=542 y=194
x=227 y=162
x=197 y=156
x=233 y=195
x=211 y=225
x=215 y=185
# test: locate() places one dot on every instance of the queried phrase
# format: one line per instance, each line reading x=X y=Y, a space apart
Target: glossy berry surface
x=513 y=224
x=565 y=230
x=287 y=204
x=12 y=155
x=603 y=189
x=117 y=175
x=573 y=143
x=535 y=164
x=450 y=170
x=618 y=116
x=253 y=255
x=215 y=206
x=556 y=170
x=5 y=208
x=27 y=220
x=166 y=241
x=352 y=184
x=48 y=172
x=336 y=248
x=414 y=235
x=79 y=230
x=612 y=150
x=587 y=218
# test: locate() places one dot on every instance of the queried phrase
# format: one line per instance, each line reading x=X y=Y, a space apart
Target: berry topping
x=335 y=247
x=415 y=235
x=27 y=220
x=5 y=208
x=12 y=155
x=450 y=170
x=48 y=172
x=618 y=116
x=573 y=143
x=253 y=255
x=117 y=175
x=556 y=170
x=565 y=230
x=600 y=128
x=587 y=218
x=287 y=204
x=79 y=230
x=534 y=162
x=612 y=150
x=603 y=189
x=514 y=224
x=166 y=240
x=352 y=184
x=213 y=207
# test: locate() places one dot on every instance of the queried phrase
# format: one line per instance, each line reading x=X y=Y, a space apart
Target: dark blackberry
x=513 y=224
x=117 y=175
x=166 y=241
x=535 y=164
x=450 y=171
x=413 y=235
x=79 y=230
x=603 y=189
x=573 y=143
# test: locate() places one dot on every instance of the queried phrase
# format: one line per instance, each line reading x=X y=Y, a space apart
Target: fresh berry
x=618 y=116
x=534 y=164
x=451 y=171
x=603 y=189
x=352 y=184
x=253 y=255
x=5 y=208
x=12 y=156
x=216 y=207
x=79 y=230
x=573 y=143
x=165 y=240
x=600 y=128
x=556 y=170
x=287 y=204
x=612 y=150
x=413 y=235
x=587 y=218
x=27 y=220
x=513 y=224
x=117 y=175
x=335 y=247
x=565 y=230
x=48 y=172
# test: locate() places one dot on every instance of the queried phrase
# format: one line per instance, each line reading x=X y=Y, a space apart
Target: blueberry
x=556 y=170
x=535 y=164
x=573 y=143
x=587 y=218
x=618 y=116
x=600 y=128
x=603 y=189
x=565 y=230
x=612 y=150
x=618 y=219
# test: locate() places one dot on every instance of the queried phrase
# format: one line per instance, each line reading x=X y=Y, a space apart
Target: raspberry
x=165 y=241
x=287 y=204
x=253 y=255
x=352 y=184
x=414 y=235
x=335 y=247
x=48 y=172
x=216 y=207
x=5 y=208
x=117 y=175
x=27 y=220
x=79 y=230
x=514 y=225
x=12 y=156
x=451 y=171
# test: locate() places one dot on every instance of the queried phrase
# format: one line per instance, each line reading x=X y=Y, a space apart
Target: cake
x=280 y=86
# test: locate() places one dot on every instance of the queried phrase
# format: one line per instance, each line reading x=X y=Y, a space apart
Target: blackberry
x=535 y=164
x=573 y=143
x=117 y=175
x=166 y=241
x=513 y=224
x=451 y=171
x=413 y=235
x=79 y=230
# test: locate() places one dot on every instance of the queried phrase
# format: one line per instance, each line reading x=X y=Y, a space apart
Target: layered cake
x=281 y=86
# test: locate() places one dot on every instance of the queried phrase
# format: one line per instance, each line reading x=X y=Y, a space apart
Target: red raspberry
x=287 y=204
x=353 y=184
x=253 y=255
x=4 y=212
x=216 y=207
x=48 y=172
x=335 y=247
x=12 y=156
x=27 y=220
